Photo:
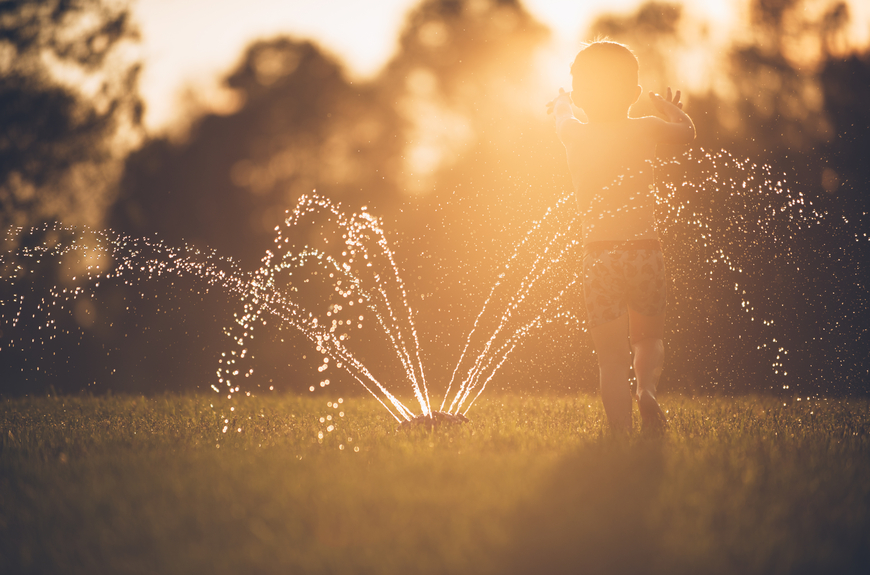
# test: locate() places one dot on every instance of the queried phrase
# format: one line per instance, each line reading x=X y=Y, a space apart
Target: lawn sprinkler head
x=432 y=420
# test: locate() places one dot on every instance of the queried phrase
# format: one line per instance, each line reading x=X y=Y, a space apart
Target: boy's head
x=605 y=80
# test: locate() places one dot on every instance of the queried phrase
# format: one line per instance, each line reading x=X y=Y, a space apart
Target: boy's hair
x=605 y=78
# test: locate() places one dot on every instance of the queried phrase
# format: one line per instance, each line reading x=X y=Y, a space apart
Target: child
x=610 y=158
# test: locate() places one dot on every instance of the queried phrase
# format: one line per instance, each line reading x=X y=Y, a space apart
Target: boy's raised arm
x=561 y=106
x=679 y=128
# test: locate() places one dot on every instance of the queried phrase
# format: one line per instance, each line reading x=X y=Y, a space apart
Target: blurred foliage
x=69 y=111
x=303 y=125
x=451 y=146
x=424 y=145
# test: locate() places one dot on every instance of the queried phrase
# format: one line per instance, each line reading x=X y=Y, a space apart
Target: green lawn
x=533 y=485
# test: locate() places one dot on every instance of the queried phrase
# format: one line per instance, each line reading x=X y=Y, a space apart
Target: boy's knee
x=649 y=351
x=650 y=345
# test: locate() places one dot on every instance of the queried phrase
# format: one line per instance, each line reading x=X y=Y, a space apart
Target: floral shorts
x=622 y=275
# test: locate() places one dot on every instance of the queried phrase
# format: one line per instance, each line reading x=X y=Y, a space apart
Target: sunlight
x=189 y=51
x=694 y=61
x=188 y=45
x=568 y=18
x=440 y=133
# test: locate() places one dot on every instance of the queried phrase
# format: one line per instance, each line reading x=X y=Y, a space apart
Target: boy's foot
x=653 y=420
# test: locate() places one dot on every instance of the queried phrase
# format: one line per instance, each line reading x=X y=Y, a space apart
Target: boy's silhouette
x=611 y=162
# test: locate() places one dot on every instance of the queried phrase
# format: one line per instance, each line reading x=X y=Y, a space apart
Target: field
x=123 y=484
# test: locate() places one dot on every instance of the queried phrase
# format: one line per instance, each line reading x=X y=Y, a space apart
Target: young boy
x=610 y=158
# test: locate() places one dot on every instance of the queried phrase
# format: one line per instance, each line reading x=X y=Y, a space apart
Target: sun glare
x=568 y=18
x=189 y=45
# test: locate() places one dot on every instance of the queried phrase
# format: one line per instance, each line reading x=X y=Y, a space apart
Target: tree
x=303 y=126
x=69 y=114
x=69 y=111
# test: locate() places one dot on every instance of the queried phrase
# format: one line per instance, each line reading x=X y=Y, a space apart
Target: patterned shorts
x=622 y=275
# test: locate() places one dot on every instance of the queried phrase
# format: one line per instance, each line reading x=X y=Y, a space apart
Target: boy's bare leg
x=611 y=347
x=649 y=358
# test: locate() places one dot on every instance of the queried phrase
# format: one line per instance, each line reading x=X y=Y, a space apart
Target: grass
x=534 y=485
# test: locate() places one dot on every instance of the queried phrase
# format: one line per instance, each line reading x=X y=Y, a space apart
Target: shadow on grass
x=655 y=507
x=590 y=515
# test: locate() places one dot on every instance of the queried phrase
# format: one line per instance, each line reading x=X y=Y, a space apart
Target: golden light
x=188 y=45
x=439 y=133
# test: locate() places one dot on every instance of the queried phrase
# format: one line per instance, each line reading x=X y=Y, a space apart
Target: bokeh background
x=200 y=123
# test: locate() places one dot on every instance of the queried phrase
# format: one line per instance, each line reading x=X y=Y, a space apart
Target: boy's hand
x=681 y=129
x=563 y=95
x=663 y=105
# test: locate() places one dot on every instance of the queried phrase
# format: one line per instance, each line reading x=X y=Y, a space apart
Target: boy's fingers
x=552 y=103
x=671 y=98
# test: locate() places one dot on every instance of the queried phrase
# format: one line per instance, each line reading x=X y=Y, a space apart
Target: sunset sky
x=189 y=44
